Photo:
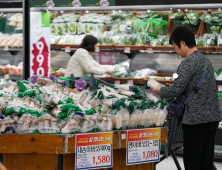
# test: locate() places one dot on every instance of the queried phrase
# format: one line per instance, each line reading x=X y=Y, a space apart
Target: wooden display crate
x=40 y=152
x=164 y=82
x=125 y=80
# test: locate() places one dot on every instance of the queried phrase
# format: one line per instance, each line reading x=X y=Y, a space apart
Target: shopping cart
x=175 y=140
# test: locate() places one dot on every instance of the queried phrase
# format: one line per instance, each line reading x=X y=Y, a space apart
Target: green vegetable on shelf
x=215 y=29
x=192 y=18
x=199 y=42
x=219 y=41
x=209 y=40
x=177 y=15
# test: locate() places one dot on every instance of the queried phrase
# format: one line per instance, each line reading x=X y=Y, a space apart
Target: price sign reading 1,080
x=143 y=146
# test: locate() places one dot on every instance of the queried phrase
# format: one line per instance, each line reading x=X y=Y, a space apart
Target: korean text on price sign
x=94 y=151
x=143 y=145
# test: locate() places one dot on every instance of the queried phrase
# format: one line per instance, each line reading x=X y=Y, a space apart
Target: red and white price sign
x=126 y=49
x=94 y=151
x=143 y=145
x=40 y=58
x=40 y=44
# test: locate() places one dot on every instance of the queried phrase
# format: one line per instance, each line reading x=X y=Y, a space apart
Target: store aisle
x=168 y=164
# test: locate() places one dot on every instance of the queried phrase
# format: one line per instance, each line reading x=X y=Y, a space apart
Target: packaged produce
x=53 y=29
x=72 y=27
x=215 y=29
x=199 y=42
x=161 y=117
x=65 y=28
x=177 y=15
x=58 y=28
x=192 y=18
x=219 y=40
x=65 y=39
x=209 y=40
x=207 y=18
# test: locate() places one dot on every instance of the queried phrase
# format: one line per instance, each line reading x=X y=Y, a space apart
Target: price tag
x=94 y=151
x=143 y=146
x=97 y=49
x=6 y=48
x=126 y=49
x=67 y=49
x=130 y=82
x=149 y=50
x=6 y=76
x=116 y=82
x=219 y=87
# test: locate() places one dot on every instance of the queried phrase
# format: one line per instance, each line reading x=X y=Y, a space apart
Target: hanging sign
x=94 y=151
x=40 y=43
x=71 y=3
x=143 y=145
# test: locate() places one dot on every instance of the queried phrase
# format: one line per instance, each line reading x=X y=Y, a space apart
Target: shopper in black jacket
x=202 y=113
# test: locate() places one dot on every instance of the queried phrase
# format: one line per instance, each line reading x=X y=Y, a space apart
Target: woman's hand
x=168 y=84
x=109 y=72
x=157 y=89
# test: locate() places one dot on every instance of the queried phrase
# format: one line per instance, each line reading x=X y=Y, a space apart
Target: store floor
x=168 y=164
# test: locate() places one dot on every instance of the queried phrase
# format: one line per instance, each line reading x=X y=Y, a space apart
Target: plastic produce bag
x=65 y=29
x=100 y=28
x=193 y=18
x=219 y=41
x=72 y=27
x=161 y=117
x=209 y=40
x=199 y=42
x=177 y=15
x=215 y=29
x=206 y=18
x=148 y=118
x=106 y=123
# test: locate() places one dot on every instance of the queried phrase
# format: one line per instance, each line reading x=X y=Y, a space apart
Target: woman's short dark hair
x=182 y=33
x=89 y=43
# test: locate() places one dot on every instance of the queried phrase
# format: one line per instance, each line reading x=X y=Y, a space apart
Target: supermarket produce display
x=42 y=105
x=150 y=29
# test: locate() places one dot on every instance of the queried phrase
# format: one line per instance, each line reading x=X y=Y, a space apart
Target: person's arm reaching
x=88 y=64
x=185 y=74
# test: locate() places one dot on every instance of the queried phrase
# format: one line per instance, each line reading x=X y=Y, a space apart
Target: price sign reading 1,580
x=101 y=159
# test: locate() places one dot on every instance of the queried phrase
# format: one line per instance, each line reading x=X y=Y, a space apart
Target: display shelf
x=11 y=49
x=12 y=77
x=132 y=48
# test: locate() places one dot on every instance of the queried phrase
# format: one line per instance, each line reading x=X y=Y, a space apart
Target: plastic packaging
x=161 y=117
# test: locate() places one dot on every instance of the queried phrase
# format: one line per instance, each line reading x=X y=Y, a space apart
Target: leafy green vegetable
x=177 y=15
x=192 y=18
x=209 y=40
x=199 y=42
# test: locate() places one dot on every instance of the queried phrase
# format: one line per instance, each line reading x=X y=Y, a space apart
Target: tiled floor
x=168 y=164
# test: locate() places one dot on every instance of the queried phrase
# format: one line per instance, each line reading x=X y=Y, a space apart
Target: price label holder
x=97 y=49
x=67 y=49
x=126 y=49
x=219 y=87
x=143 y=146
x=94 y=151
x=149 y=50
x=130 y=82
x=116 y=82
x=6 y=48
x=6 y=76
